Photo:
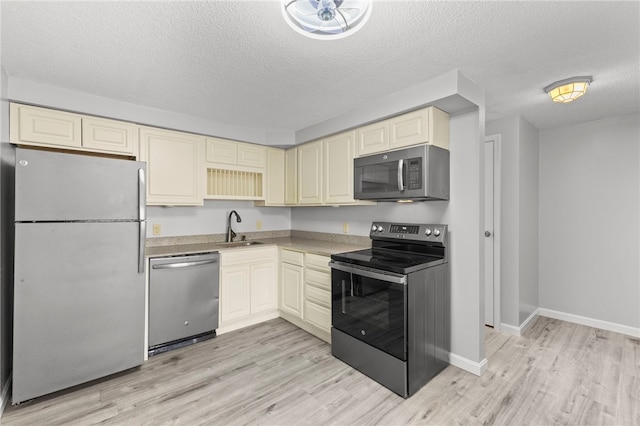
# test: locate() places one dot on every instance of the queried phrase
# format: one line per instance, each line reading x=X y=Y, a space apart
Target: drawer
x=316 y=261
x=244 y=256
x=317 y=315
x=318 y=279
x=318 y=296
x=293 y=257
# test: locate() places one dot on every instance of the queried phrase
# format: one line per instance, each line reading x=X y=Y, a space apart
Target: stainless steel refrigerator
x=79 y=285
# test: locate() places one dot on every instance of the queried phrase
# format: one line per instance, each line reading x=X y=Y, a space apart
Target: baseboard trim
x=591 y=322
x=4 y=397
x=510 y=329
x=477 y=368
x=517 y=331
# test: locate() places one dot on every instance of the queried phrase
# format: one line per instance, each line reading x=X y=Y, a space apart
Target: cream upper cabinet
x=427 y=125
x=291 y=176
x=59 y=129
x=250 y=155
x=275 y=178
x=173 y=166
x=109 y=135
x=338 y=168
x=223 y=151
x=310 y=173
x=372 y=138
x=234 y=170
x=46 y=127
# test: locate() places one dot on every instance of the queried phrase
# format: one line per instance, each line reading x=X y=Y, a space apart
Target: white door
x=491 y=226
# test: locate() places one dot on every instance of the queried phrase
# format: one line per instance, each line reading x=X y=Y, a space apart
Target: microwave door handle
x=400 y=175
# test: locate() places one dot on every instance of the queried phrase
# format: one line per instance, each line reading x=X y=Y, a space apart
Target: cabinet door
x=235 y=293
x=291 y=176
x=173 y=166
x=291 y=289
x=372 y=138
x=250 y=155
x=221 y=151
x=109 y=135
x=409 y=129
x=275 y=176
x=264 y=287
x=310 y=173
x=428 y=125
x=41 y=126
x=338 y=168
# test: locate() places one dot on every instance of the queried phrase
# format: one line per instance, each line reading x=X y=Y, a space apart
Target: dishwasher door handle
x=185 y=264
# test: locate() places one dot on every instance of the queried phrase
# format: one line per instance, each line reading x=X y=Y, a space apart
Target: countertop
x=307 y=245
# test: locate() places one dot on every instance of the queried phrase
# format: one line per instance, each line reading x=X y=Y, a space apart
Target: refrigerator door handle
x=141 y=239
x=142 y=195
x=142 y=215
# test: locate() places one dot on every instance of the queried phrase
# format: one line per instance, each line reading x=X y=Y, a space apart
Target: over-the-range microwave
x=418 y=173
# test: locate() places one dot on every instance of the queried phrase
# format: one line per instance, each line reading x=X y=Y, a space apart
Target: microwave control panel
x=414 y=173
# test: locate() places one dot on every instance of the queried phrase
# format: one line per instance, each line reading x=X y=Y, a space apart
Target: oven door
x=370 y=305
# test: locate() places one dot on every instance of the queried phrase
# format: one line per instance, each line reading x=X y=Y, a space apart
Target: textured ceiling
x=238 y=62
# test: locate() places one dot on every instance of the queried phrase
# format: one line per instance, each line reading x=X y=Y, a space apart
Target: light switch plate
x=345 y=228
x=157 y=229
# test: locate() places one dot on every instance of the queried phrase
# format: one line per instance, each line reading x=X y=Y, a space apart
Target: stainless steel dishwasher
x=183 y=300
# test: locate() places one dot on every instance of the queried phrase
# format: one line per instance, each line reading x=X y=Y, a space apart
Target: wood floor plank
x=276 y=374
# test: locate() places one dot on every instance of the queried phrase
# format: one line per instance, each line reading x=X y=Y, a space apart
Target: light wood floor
x=277 y=374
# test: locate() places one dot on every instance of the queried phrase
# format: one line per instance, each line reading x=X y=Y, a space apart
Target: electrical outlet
x=157 y=229
x=258 y=225
x=345 y=228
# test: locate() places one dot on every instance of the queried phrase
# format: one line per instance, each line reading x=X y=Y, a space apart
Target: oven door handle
x=370 y=273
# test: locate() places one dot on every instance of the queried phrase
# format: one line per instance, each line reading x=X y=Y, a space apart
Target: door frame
x=497 y=191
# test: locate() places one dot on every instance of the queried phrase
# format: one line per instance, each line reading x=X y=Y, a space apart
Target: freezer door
x=79 y=305
x=53 y=186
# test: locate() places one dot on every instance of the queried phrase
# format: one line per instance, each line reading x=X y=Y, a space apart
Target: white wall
x=212 y=218
x=519 y=218
x=528 y=220
x=508 y=128
x=590 y=220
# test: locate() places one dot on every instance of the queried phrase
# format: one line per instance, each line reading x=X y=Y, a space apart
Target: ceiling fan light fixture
x=568 y=90
x=326 y=19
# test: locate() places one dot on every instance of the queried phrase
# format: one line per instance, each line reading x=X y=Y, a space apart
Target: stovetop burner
x=401 y=248
x=389 y=260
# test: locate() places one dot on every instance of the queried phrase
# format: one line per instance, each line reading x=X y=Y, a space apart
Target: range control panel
x=409 y=231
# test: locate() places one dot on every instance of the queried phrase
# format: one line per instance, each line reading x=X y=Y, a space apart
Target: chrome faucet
x=230 y=234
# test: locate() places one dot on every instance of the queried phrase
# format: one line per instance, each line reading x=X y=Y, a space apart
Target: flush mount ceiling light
x=326 y=19
x=568 y=90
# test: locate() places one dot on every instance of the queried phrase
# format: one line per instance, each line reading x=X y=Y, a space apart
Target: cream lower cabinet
x=248 y=287
x=291 y=282
x=305 y=292
x=174 y=166
x=317 y=294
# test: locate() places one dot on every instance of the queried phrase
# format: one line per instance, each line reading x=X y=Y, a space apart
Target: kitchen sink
x=240 y=244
